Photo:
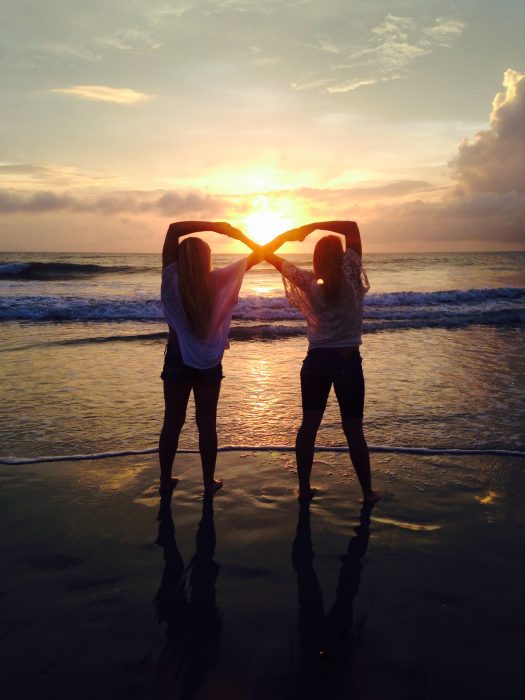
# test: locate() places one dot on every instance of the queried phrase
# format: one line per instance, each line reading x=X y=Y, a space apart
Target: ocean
x=82 y=340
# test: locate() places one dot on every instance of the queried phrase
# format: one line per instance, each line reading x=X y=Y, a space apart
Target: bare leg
x=206 y=398
x=304 y=451
x=176 y=395
x=360 y=456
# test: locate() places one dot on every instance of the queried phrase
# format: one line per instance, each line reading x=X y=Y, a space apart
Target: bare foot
x=212 y=488
x=306 y=494
x=167 y=485
x=369 y=498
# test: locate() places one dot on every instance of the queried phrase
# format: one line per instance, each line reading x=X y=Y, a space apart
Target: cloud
x=398 y=41
x=259 y=59
x=170 y=203
x=22 y=169
x=340 y=197
x=394 y=28
x=133 y=39
x=68 y=50
x=104 y=93
x=402 y=215
x=476 y=220
x=494 y=160
x=352 y=85
x=444 y=32
x=307 y=84
x=392 y=48
x=269 y=7
x=177 y=203
x=52 y=175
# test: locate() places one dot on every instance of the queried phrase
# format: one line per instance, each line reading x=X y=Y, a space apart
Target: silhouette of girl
x=198 y=304
x=331 y=299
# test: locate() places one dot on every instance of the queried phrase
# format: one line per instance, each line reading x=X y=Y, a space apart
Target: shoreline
x=373 y=449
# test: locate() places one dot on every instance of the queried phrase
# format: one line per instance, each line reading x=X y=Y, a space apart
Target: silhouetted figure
x=197 y=304
x=323 y=640
x=192 y=617
x=331 y=300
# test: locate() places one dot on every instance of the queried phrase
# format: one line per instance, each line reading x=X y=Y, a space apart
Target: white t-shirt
x=225 y=285
x=329 y=325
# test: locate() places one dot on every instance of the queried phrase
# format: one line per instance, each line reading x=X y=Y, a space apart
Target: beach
x=107 y=594
x=252 y=596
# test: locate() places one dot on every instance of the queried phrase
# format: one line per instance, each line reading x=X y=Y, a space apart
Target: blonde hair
x=194 y=284
x=328 y=256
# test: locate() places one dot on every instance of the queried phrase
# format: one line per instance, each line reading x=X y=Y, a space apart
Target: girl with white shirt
x=198 y=304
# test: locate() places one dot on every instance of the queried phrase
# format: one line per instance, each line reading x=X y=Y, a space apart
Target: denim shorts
x=175 y=370
x=341 y=367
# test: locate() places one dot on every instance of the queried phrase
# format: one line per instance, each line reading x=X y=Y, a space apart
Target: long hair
x=194 y=284
x=328 y=256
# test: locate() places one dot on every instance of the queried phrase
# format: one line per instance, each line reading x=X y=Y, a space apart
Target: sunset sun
x=262 y=226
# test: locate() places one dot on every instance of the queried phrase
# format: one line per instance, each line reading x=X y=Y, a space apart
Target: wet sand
x=107 y=594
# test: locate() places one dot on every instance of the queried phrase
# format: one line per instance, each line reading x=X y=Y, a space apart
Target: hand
x=297 y=234
x=228 y=230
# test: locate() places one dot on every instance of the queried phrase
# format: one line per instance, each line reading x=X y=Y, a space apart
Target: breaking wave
x=259 y=316
x=60 y=271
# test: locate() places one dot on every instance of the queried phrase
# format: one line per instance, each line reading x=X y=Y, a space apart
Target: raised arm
x=238 y=235
x=294 y=234
x=266 y=251
x=170 y=250
x=348 y=229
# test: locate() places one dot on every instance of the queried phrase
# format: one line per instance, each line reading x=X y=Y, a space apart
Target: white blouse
x=225 y=285
x=329 y=325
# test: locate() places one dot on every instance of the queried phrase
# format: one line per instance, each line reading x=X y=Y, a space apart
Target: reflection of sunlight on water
x=416 y=527
x=262 y=290
x=266 y=405
x=258 y=370
x=117 y=479
x=489 y=497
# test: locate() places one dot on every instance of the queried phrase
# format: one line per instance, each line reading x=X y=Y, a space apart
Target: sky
x=120 y=116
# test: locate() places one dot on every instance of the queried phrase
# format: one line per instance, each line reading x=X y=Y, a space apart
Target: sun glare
x=262 y=226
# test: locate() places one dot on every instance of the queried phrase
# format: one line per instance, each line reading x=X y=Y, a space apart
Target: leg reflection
x=340 y=619
x=206 y=624
x=170 y=601
x=192 y=617
x=325 y=638
x=311 y=613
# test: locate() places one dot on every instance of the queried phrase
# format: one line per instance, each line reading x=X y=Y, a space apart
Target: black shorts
x=175 y=370
x=341 y=367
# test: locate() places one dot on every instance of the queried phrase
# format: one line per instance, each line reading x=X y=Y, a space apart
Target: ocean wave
x=60 y=271
x=69 y=308
x=33 y=270
x=501 y=306
x=453 y=297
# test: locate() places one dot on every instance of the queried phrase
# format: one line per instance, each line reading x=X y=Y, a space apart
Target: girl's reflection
x=190 y=611
x=321 y=636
